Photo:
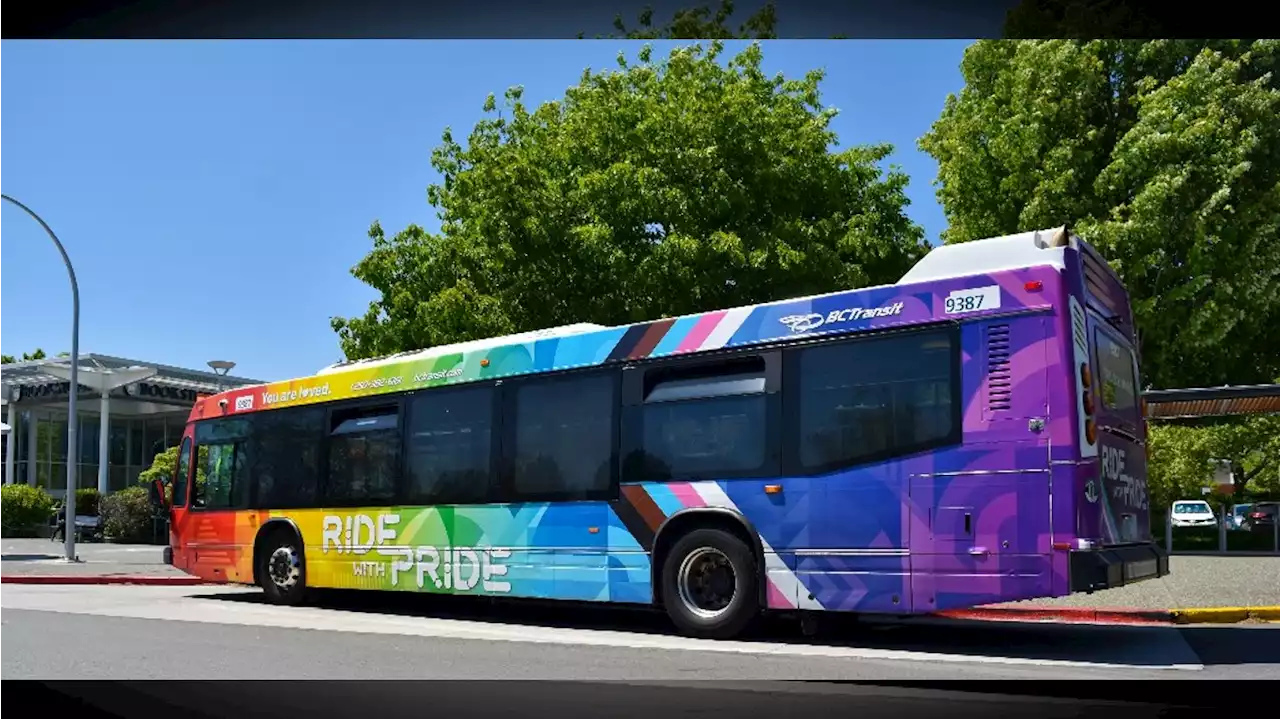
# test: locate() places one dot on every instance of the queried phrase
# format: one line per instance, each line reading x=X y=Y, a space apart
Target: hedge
x=23 y=510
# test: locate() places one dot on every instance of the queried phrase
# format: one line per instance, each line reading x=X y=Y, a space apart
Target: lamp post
x=73 y=455
x=5 y=430
x=221 y=368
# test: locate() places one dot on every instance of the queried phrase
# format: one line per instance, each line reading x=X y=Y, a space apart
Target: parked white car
x=1193 y=513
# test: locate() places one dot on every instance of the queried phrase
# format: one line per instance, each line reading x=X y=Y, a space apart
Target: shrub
x=87 y=502
x=126 y=515
x=23 y=508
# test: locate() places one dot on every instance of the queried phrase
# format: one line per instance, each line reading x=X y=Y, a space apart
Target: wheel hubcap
x=706 y=582
x=284 y=568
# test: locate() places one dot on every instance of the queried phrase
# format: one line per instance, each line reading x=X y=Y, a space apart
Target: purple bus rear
x=1113 y=530
x=1043 y=494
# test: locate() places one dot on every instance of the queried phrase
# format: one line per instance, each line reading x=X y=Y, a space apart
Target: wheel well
x=265 y=533
x=688 y=521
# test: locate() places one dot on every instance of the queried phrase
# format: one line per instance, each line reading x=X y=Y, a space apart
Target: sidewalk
x=1198 y=589
x=1193 y=581
x=39 y=561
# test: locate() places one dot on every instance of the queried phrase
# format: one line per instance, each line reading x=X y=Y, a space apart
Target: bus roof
x=586 y=344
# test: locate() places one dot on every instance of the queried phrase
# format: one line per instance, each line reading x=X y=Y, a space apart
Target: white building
x=129 y=411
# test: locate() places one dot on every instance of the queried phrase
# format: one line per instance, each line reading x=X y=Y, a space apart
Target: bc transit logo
x=802 y=323
x=813 y=320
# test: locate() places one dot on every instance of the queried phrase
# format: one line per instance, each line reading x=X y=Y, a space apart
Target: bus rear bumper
x=1095 y=569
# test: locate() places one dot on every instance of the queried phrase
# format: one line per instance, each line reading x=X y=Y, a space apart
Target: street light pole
x=73 y=420
x=221 y=368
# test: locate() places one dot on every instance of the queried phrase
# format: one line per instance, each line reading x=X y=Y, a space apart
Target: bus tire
x=699 y=570
x=282 y=568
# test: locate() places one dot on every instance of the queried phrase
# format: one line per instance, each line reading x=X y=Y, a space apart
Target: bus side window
x=286 y=457
x=449 y=446
x=701 y=420
x=364 y=455
x=561 y=446
x=901 y=399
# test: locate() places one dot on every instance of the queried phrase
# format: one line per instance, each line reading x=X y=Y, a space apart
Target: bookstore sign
x=142 y=391
x=164 y=393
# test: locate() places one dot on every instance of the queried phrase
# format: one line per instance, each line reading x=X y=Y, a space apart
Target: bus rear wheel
x=282 y=568
x=709 y=584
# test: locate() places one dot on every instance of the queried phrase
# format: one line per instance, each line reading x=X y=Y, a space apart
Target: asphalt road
x=125 y=632
x=515 y=699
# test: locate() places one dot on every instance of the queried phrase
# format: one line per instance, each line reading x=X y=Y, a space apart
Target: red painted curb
x=1089 y=615
x=100 y=579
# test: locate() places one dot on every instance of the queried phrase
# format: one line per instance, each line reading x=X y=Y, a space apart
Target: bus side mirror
x=156 y=494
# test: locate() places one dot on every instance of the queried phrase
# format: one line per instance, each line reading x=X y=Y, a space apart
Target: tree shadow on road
x=1132 y=646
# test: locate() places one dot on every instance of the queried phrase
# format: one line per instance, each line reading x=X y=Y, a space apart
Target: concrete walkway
x=42 y=557
x=1193 y=581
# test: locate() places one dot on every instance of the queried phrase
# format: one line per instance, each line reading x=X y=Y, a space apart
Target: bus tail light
x=1086 y=401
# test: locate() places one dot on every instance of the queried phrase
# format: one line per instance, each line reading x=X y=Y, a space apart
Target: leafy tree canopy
x=26 y=357
x=1165 y=154
x=1082 y=19
x=701 y=23
x=661 y=188
x=1182 y=456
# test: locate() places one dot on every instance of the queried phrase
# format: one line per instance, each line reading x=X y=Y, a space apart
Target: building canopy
x=127 y=412
x=45 y=381
x=1212 y=401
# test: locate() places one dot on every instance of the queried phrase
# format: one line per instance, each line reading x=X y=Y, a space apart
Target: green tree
x=1081 y=19
x=663 y=188
x=1164 y=153
x=165 y=464
x=26 y=357
x=1182 y=454
x=701 y=23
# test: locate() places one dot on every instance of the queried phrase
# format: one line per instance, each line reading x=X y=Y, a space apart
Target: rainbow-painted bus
x=972 y=434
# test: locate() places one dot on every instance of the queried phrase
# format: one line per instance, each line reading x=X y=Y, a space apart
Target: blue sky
x=214 y=195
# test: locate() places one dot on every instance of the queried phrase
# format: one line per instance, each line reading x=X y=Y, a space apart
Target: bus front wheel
x=282 y=568
x=709 y=584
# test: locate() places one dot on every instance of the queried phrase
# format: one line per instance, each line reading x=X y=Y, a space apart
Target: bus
x=972 y=434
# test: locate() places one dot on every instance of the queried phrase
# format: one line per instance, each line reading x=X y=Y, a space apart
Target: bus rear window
x=1117 y=384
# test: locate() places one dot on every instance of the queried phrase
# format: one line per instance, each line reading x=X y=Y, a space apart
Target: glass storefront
x=132 y=445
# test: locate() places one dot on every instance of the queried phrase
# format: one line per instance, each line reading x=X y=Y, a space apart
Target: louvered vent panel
x=999 y=375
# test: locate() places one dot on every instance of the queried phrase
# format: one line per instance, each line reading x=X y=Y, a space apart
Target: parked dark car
x=1262 y=516
x=1235 y=520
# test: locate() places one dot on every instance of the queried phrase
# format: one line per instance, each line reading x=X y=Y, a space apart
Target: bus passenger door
x=179 y=511
x=219 y=493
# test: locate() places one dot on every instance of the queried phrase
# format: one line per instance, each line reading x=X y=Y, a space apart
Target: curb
x=1225 y=615
x=1078 y=615
x=1091 y=615
x=177 y=581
